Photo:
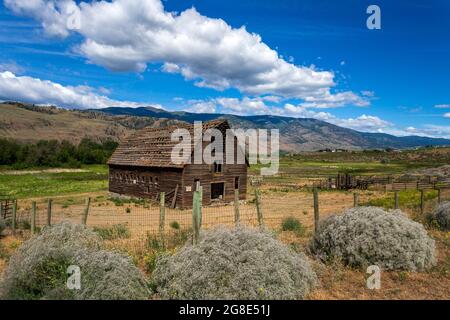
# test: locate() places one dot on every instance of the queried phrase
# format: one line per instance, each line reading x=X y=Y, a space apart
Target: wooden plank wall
x=142 y=182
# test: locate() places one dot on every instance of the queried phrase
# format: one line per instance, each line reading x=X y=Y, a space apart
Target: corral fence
x=135 y=227
x=347 y=181
x=6 y=206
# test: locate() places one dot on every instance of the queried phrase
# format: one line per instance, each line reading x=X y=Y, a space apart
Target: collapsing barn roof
x=152 y=147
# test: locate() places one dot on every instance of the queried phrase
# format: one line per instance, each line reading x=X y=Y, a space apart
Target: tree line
x=53 y=153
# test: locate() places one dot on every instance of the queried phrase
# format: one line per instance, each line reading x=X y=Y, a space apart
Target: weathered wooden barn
x=141 y=167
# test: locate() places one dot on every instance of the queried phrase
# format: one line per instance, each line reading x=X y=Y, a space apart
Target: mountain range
x=25 y=122
x=296 y=134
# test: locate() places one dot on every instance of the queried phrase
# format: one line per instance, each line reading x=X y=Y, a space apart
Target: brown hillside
x=28 y=123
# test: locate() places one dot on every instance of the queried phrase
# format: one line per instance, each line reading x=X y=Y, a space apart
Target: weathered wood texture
x=147 y=181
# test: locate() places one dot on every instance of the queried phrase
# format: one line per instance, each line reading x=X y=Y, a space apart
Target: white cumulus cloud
x=33 y=90
x=126 y=35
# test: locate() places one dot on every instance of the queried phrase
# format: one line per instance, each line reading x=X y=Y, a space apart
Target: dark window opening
x=236 y=183
x=196 y=184
x=213 y=150
x=217 y=167
x=217 y=190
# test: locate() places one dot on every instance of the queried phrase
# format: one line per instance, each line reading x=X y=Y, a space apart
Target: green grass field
x=292 y=168
x=27 y=185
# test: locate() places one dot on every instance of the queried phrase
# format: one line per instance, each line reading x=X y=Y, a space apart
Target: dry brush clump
x=38 y=269
x=234 y=264
x=366 y=236
x=442 y=215
x=2 y=225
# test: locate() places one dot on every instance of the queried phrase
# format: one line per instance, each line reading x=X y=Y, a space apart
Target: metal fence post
x=200 y=213
x=86 y=211
x=316 y=209
x=14 y=219
x=356 y=199
x=237 y=216
x=395 y=199
x=258 y=209
x=49 y=212
x=33 y=217
x=422 y=201
x=162 y=217
x=195 y=217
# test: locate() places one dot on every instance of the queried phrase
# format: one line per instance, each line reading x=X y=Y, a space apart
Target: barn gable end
x=142 y=167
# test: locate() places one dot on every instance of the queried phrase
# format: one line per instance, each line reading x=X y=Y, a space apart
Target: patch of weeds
x=117 y=231
x=128 y=210
x=171 y=240
x=154 y=242
x=2 y=225
x=402 y=276
x=3 y=252
x=150 y=259
x=120 y=202
x=175 y=225
x=24 y=224
x=294 y=225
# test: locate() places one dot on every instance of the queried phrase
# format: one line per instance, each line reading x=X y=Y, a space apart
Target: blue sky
x=313 y=59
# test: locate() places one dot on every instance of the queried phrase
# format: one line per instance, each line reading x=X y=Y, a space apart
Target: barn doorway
x=217 y=190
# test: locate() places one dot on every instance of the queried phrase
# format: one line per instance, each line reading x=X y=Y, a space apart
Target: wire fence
x=134 y=227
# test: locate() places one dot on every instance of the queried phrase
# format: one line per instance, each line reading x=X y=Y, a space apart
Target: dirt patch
x=52 y=170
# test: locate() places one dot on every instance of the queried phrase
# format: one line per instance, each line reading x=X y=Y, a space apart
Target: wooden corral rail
x=389 y=183
x=6 y=206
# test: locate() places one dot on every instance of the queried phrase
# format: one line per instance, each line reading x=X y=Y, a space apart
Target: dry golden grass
x=336 y=281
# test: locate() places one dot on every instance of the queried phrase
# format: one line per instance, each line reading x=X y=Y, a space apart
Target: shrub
x=117 y=231
x=175 y=225
x=442 y=215
x=24 y=224
x=366 y=236
x=292 y=224
x=38 y=269
x=172 y=240
x=234 y=264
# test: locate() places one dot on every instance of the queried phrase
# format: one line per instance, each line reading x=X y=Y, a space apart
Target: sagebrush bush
x=442 y=215
x=366 y=236
x=38 y=269
x=234 y=264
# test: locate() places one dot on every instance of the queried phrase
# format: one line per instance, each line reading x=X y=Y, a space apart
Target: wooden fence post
x=162 y=217
x=237 y=216
x=316 y=209
x=200 y=213
x=195 y=217
x=395 y=199
x=86 y=211
x=14 y=219
x=33 y=217
x=355 y=199
x=439 y=195
x=258 y=209
x=49 y=212
x=422 y=201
